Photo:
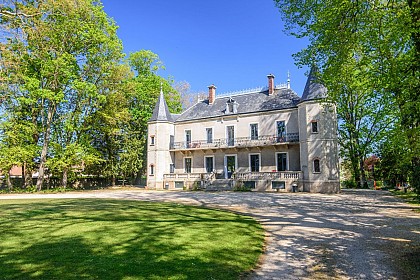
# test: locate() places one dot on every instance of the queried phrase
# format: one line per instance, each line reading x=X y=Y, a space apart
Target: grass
x=119 y=239
x=409 y=196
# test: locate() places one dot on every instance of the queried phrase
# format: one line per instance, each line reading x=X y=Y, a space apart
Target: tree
x=145 y=88
x=382 y=37
x=58 y=61
x=188 y=98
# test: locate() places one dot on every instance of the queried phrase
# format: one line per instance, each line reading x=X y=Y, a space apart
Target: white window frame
x=183 y=164
x=225 y=163
x=287 y=161
x=285 y=127
x=205 y=167
x=250 y=130
x=234 y=133
x=259 y=161
x=212 y=134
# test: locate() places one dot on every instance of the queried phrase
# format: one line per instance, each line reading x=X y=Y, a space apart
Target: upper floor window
x=230 y=133
x=314 y=127
x=317 y=166
x=152 y=169
x=209 y=133
x=254 y=131
x=281 y=131
x=152 y=140
x=187 y=138
x=171 y=168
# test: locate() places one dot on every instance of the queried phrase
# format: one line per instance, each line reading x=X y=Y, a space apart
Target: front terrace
x=238 y=142
x=259 y=181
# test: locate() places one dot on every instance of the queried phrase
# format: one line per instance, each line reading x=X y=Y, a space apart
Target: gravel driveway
x=359 y=234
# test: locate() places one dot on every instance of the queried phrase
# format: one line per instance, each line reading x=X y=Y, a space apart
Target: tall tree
x=57 y=60
x=383 y=37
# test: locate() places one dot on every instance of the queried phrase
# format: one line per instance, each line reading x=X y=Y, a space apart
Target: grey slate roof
x=313 y=89
x=161 y=111
x=247 y=103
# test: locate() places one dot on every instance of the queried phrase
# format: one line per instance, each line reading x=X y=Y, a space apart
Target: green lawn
x=118 y=239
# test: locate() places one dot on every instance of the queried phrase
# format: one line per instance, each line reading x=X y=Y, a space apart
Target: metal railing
x=265 y=140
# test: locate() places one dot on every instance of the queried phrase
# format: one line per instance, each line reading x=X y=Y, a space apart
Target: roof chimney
x=212 y=94
x=270 y=84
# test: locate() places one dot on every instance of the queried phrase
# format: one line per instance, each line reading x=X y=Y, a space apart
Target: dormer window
x=231 y=106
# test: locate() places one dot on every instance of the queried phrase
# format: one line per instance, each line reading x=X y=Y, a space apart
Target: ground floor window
x=278 y=185
x=254 y=162
x=152 y=169
x=208 y=162
x=281 y=161
x=187 y=165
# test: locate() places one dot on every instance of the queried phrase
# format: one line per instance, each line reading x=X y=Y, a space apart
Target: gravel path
x=359 y=234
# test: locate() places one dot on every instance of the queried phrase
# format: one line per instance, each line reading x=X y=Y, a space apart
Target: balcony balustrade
x=239 y=142
x=244 y=176
x=250 y=176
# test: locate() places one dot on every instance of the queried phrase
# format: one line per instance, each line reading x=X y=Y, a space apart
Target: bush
x=349 y=184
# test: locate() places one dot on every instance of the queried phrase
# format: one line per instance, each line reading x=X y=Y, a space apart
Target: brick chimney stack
x=212 y=94
x=270 y=84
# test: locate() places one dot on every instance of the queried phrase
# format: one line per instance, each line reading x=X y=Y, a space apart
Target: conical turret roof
x=161 y=111
x=313 y=89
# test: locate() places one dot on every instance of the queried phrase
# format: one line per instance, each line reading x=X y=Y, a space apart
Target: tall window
x=230 y=135
x=281 y=161
x=281 y=131
x=187 y=138
x=152 y=140
x=254 y=161
x=171 y=168
x=314 y=127
x=254 y=131
x=208 y=161
x=317 y=166
x=187 y=165
x=209 y=133
x=152 y=169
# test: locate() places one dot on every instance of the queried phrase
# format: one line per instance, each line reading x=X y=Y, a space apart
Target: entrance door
x=230 y=164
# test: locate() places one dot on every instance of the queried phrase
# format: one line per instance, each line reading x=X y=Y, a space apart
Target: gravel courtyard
x=359 y=234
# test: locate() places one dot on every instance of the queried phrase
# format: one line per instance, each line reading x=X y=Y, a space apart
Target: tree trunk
x=28 y=176
x=64 y=180
x=362 y=173
x=113 y=181
x=23 y=175
x=9 y=181
x=43 y=157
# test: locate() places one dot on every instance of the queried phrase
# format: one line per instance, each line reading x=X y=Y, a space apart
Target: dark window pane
x=314 y=127
x=317 y=167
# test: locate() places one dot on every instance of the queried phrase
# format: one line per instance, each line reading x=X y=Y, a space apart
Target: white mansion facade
x=267 y=139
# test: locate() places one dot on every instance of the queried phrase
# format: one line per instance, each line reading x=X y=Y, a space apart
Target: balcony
x=240 y=142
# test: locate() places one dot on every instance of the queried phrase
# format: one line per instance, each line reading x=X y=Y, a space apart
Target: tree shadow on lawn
x=123 y=244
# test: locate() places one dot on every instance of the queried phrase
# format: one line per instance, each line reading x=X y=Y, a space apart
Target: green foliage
x=349 y=184
x=111 y=239
x=368 y=54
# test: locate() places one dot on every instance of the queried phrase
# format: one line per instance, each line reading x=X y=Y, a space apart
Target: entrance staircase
x=219 y=185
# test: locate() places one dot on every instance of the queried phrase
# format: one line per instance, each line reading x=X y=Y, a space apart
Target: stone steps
x=220 y=185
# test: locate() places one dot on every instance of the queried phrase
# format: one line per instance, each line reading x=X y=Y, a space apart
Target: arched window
x=317 y=166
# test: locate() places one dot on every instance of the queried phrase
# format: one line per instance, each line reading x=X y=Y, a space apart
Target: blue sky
x=232 y=44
